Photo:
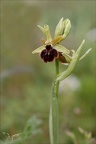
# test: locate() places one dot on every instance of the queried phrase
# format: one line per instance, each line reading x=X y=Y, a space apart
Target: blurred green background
x=26 y=80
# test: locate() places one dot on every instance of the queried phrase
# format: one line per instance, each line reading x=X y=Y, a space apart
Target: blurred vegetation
x=26 y=80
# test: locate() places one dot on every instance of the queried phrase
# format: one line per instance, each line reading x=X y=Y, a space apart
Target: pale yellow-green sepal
x=61 y=49
x=38 y=50
x=46 y=32
x=42 y=29
x=67 y=57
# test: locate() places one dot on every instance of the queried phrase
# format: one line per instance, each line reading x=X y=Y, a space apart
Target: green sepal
x=42 y=29
x=46 y=32
x=61 y=49
x=67 y=57
x=39 y=49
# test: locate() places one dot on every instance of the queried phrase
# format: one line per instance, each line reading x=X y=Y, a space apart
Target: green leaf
x=72 y=64
x=38 y=50
x=87 y=52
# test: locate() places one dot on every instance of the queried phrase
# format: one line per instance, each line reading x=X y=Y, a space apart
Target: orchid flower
x=51 y=49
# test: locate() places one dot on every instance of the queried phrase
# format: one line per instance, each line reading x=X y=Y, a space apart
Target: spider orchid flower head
x=51 y=49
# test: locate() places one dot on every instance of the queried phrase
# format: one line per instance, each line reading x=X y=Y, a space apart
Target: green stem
x=57 y=73
x=54 y=113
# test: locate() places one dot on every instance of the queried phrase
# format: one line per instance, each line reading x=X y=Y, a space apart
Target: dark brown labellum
x=49 y=54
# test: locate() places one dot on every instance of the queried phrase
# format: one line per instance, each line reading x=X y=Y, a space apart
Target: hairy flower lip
x=49 y=54
x=62 y=53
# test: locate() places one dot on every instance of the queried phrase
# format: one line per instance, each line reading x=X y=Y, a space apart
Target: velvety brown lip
x=49 y=54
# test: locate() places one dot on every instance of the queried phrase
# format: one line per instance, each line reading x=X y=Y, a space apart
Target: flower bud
x=67 y=27
x=59 y=28
x=63 y=28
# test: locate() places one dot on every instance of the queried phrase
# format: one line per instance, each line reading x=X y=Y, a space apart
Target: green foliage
x=86 y=139
x=27 y=93
x=31 y=129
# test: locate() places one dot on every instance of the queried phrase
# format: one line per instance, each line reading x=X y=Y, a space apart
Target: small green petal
x=61 y=49
x=38 y=50
x=57 y=40
x=59 y=28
